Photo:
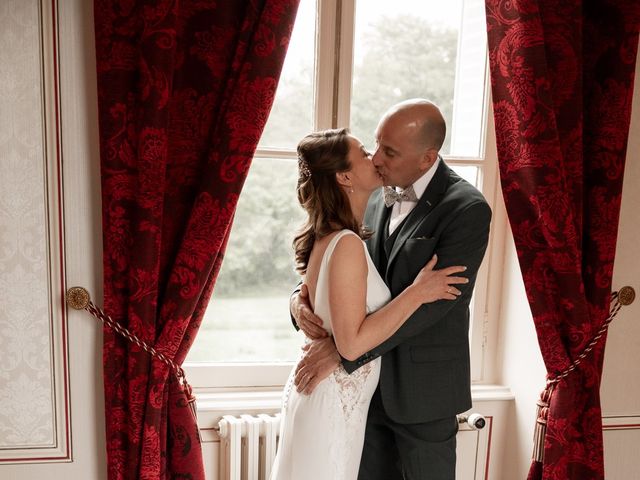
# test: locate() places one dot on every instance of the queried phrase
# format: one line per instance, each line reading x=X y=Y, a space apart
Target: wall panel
x=34 y=420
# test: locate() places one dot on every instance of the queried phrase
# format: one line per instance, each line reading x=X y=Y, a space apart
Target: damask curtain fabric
x=562 y=75
x=185 y=89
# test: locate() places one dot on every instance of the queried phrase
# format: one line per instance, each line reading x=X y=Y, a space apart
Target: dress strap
x=334 y=241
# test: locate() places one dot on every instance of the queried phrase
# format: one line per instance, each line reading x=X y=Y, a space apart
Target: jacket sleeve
x=463 y=242
x=295 y=292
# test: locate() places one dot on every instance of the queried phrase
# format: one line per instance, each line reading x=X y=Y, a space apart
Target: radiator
x=247 y=446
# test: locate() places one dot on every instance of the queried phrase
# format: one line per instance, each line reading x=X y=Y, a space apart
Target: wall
x=51 y=420
x=520 y=367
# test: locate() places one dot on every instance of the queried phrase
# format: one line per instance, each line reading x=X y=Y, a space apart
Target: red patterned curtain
x=562 y=76
x=185 y=89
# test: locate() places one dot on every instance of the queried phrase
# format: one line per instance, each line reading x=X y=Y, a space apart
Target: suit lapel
x=377 y=217
x=429 y=199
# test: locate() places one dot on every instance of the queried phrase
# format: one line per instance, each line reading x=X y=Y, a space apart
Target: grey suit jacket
x=425 y=365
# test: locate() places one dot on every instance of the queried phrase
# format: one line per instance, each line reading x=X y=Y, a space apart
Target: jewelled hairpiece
x=303 y=166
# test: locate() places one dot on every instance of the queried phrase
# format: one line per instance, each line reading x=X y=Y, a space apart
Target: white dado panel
x=33 y=371
x=621 y=439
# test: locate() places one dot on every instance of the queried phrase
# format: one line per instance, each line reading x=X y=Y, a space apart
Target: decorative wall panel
x=33 y=368
x=621 y=439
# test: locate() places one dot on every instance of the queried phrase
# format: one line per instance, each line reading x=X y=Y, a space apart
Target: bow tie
x=391 y=196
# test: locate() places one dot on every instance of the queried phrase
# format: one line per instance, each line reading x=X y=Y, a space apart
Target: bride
x=322 y=434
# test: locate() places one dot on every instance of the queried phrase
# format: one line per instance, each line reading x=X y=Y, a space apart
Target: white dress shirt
x=402 y=208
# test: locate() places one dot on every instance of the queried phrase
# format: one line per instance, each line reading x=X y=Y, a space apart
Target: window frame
x=334 y=45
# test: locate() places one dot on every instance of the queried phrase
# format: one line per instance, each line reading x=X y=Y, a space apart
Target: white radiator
x=248 y=446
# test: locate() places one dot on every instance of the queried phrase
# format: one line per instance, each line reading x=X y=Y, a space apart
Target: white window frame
x=332 y=96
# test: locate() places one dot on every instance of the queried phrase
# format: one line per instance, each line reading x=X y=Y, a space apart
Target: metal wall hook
x=626 y=295
x=78 y=298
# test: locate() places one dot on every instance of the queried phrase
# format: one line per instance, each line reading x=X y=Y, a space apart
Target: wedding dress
x=322 y=434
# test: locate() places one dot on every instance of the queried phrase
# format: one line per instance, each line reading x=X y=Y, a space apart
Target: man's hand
x=319 y=360
x=307 y=321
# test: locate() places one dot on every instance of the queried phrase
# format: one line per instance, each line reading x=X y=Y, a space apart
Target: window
x=347 y=63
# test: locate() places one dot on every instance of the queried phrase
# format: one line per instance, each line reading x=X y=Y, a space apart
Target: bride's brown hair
x=320 y=156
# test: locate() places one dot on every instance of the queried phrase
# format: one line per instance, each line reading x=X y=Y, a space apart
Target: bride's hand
x=440 y=284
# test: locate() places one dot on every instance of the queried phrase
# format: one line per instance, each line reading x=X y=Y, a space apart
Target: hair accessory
x=303 y=166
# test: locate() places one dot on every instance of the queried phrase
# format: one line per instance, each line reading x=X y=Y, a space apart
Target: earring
x=351 y=190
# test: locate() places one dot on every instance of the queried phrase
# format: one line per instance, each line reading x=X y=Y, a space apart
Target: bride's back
x=315 y=263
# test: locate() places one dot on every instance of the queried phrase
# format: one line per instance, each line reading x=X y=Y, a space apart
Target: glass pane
x=291 y=117
x=470 y=174
x=248 y=316
x=421 y=48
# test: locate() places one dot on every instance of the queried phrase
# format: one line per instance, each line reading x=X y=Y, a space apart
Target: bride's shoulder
x=346 y=236
x=348 y=246
x=347 y=262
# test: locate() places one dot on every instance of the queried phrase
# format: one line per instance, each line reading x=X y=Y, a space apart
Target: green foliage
x=259 y=255
x=291 y=115
x=405 y=57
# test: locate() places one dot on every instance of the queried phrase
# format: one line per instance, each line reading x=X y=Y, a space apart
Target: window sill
x=212 y=406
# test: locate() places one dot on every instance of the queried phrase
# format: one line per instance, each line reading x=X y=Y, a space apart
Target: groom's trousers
x=393 y=451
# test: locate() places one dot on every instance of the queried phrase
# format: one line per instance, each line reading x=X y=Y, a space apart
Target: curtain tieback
x=625 y=296
x=79 y=299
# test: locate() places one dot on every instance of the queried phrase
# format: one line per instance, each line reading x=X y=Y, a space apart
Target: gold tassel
x=624 y=297
x=191 y=403
x=540 y=430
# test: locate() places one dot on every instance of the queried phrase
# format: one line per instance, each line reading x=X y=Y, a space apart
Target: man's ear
x=428 y=159
x=343 y=179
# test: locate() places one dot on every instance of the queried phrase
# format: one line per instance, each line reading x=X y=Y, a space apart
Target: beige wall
x=51 y=359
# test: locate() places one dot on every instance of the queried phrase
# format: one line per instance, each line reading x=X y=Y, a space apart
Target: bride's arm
x=355 y=332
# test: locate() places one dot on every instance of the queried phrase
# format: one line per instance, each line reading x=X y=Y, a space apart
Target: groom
x=425 y=378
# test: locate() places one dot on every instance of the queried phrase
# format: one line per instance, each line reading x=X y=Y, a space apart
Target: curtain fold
x=184 y=92
x=562 y=75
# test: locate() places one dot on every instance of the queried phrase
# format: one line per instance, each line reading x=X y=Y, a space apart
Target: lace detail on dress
x=350 y=388
x=347 y=419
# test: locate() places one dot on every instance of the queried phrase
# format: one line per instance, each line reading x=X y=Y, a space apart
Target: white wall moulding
x=621 y=439
x=34 y=387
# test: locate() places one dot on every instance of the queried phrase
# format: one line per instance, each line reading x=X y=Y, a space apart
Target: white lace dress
x=322 y=434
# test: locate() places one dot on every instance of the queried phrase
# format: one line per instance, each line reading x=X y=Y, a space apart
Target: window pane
x=248 y=316
x=291 y=117
x=469 y=173
x=421 y=48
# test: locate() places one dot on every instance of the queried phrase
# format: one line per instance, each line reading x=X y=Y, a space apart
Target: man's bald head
x=408 y=139
x=424 y=118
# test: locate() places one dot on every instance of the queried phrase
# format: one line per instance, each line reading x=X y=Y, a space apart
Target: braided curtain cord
x=543 y=403
x=79 y=299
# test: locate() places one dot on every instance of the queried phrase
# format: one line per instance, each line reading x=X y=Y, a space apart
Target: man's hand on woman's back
x=307 y=321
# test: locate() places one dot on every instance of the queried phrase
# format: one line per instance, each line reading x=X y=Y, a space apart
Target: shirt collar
x=420 y=185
